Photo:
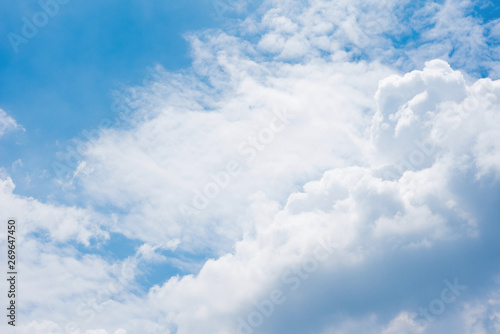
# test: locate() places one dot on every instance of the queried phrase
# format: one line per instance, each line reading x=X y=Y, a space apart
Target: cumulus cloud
x=433 y=112
x=359 y=209
x=170 y=164
x=328 y=190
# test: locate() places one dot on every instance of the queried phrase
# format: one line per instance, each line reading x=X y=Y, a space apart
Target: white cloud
x=7 y=123
x=62 y=224
x=481 y=315
x=39 y=327
x=368 y=161
x=404 y=324
x=162 y=163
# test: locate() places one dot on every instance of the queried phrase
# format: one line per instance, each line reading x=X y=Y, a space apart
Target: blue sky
x=60 y=83
x=368 y=126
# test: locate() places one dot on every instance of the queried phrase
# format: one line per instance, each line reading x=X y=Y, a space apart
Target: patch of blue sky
x=116 y=248
x=59 y=83
x=417 y=18
x=119 y=248
x=488 y=10
x=176 y=263
x=150 y=273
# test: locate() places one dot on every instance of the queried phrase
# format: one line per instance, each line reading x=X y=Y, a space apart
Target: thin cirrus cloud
x=332 y=177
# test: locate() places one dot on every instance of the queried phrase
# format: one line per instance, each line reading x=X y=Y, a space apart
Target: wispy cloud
x=7 y=123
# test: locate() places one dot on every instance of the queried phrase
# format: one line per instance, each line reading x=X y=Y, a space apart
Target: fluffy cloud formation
x=432 y=112
x=333 y=194
x=362 y=211
x=173 y=172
